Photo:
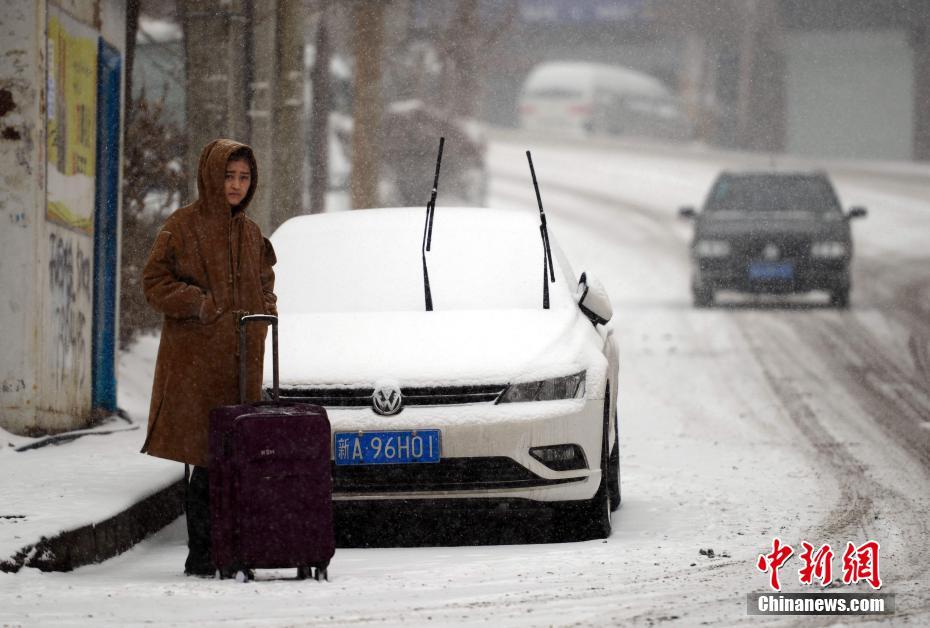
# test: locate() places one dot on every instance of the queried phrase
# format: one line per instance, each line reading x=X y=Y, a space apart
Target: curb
x=97 y=542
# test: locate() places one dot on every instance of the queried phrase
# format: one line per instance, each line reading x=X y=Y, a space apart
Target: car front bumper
x=806 y=276
x=485 y=453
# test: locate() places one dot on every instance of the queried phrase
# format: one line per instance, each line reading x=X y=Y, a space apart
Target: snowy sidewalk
x=67 y=502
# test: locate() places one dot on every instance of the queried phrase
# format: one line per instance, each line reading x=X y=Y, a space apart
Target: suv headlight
x=712 y=248
x=568 y=387
x=828 y=249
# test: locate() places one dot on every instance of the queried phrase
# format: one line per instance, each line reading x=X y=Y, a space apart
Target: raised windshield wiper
x=544 y=232
x=428 y=229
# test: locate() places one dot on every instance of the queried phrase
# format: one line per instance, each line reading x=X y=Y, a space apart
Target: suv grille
x=413 y=396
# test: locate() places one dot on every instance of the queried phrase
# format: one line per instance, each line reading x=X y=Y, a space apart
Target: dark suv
x=771 y=232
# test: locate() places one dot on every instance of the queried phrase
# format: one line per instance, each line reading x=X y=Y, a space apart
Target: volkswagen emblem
x=771 y=252
x=387 y=400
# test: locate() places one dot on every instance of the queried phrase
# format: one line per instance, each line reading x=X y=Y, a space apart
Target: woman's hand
x=209 y=312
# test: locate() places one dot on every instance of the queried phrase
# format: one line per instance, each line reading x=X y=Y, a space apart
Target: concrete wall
x=850 y=94
x=46 y=270
x=22 y=203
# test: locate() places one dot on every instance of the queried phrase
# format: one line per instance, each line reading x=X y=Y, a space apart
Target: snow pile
x=87 y=476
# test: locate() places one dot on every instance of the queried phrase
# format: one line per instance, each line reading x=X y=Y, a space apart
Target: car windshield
x=772 y=193
x=369 y=261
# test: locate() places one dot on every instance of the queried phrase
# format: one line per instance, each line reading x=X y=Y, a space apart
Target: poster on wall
x=72 y=121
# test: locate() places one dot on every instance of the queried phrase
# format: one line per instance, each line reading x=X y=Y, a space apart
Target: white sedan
x=496 y=393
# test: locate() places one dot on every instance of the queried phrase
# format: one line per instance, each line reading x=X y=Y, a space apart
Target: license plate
x=398 y=447
x=771 y=270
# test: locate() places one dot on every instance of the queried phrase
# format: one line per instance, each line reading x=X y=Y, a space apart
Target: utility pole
x=748 y=44
x=368 y=19
x=692 y=80
x=264 y=69
x=761 y=104
x=319 y=115
x=463 y=91
x=133 y=8
x=288 y=137
x=239 y=64
x=216 y=60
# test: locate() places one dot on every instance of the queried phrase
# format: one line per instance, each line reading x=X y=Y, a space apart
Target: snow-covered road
x=738 y=424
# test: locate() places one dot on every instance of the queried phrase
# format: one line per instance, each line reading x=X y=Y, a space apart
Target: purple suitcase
x=270 y=482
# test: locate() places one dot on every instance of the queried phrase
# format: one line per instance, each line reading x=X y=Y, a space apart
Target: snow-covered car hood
x=432 y=348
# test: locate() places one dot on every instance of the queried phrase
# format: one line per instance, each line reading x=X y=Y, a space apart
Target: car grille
x=451 y=474
x=413 y=396
x=789 y=247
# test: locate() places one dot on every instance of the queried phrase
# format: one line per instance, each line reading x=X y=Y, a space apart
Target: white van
x=593 y=98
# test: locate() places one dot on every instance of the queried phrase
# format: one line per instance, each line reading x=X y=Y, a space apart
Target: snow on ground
x=738 y=424
x=59 y=487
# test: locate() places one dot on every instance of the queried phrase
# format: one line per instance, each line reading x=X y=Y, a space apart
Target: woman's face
x=238 y=180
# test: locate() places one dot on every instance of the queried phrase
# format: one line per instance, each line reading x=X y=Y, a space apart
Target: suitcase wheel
x=304 y=572
x=243 y=575
x=321 y=574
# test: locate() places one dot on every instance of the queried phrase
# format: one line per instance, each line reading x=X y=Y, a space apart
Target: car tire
x=839 y=298
x=589 y=520
x=598 y=513
x=613 y=465
x=594 y=520
x=702 y=297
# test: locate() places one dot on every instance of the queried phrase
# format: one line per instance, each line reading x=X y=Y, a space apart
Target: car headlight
x=828 y=249
x=568 y=387
x=712 y=248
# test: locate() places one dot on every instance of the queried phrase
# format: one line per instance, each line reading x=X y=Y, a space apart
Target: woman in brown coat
x=209 y=266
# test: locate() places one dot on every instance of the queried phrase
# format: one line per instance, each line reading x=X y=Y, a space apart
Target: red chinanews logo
x=860 y=564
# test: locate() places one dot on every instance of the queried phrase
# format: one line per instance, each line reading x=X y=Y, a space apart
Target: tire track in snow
x=920 y=353
x=897 y=401
x=912 y=302
x=894 y=401
x=864 y=499
x=902 y=292
x=771 y=352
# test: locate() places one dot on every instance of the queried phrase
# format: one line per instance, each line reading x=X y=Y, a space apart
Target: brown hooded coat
x=209 y=264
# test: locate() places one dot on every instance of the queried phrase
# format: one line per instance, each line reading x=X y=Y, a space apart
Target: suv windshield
x=769 y=193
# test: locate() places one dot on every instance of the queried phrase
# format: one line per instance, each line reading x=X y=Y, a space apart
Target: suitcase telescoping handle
x=243 y=322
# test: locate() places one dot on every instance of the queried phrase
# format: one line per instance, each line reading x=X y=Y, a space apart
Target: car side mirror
x=593 y=300
x=857 y=212
x=688 y=213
